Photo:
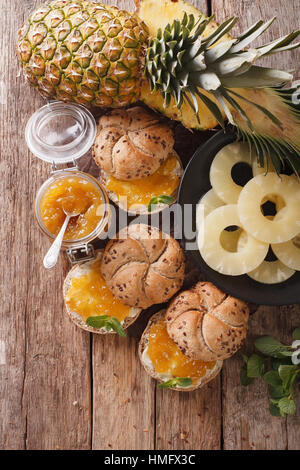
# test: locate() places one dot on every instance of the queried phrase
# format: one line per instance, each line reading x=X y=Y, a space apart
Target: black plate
x=195 y=183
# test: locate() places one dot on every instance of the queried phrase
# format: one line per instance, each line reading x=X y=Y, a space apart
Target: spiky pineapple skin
x=84 y=52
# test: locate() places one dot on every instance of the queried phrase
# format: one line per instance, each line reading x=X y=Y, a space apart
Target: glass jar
x=60 y=133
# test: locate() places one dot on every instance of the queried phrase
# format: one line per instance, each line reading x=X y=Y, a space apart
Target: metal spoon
x=51 y=257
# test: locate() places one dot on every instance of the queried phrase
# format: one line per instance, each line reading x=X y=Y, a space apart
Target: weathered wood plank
x=123 y=396
x=190 y=420
x=247 y=423
x=45 y=383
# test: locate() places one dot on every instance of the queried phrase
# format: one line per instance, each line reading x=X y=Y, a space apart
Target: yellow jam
x=140 y=191
x=167 y=358
x=89 y=296
x=75 y=195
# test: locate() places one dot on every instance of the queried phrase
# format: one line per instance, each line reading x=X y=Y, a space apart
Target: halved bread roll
x=210 y=370
x=207 y=324
x=83 y=271
x=142 y=266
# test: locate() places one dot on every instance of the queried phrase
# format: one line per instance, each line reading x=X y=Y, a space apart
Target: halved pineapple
x=289 y=252
x=216 y=256
x=255 y=192
x=220 y=171
x=157 y=14
x=271 y=272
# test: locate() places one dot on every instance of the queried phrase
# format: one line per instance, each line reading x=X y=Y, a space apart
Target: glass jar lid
x=60 y=132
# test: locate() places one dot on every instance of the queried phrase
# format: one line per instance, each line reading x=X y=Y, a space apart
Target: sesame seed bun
x=206 y=323
x=131 y=143
x=143 y=266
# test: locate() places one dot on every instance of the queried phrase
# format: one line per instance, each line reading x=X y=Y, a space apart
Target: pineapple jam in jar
x=76 y=193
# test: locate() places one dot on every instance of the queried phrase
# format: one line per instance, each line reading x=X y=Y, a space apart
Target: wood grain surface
x=62 y=388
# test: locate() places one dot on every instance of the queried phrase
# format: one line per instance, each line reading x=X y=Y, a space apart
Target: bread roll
x=78 y=271
x=206 y=324
x=149 y=367
x=142 y=266
x=132 y=143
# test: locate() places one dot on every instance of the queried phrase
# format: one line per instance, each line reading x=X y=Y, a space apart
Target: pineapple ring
x=216 y=257
x=206 y=205
x=271 y=272
x=220 y=171
x=289 y=252
x=280 y=229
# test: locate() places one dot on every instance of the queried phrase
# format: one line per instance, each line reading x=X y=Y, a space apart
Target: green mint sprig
x=178 y=382
x=277 y=369
x=109 y=323
x=159 y=200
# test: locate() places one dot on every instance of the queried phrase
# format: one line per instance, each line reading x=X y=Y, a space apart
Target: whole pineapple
x=187 y=67
x=85 y=52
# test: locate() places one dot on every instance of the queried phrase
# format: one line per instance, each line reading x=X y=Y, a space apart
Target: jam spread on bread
x=140 y=191
x=89 y=296
x=167 y=358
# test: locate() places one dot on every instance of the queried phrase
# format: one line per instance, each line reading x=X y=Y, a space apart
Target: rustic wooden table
x=62 y=388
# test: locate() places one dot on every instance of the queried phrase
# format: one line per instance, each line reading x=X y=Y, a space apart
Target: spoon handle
x=51 y=257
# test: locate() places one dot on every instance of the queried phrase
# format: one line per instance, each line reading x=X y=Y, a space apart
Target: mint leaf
x=163 y=199
x=288 y=375
x=109 y=323
x=97 y=322
x=117 y=327
x=274 y=410
x=276 y=392
x=245 y=380
x=178 y=382
x=272 y=378
x=296 y=333
x=287 y=406
x=269 y=346
x=255 y=366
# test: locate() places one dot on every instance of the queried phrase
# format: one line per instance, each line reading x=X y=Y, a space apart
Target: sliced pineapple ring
x=271 y=272
x=289 y=252
x=220 y=170
x=214 y=254
x=210 y=201
x=255 y=192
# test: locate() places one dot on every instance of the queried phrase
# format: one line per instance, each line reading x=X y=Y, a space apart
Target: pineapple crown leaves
x=184 y=64
x=180 y=60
